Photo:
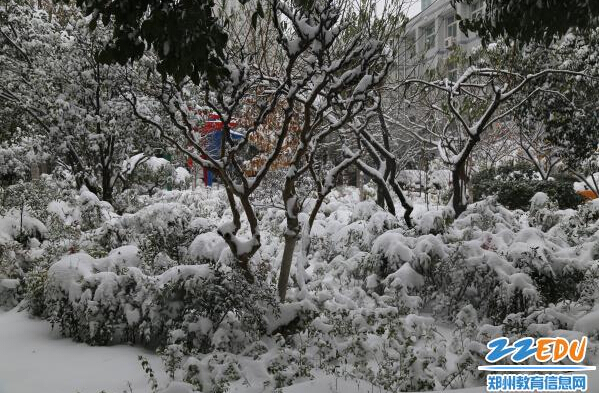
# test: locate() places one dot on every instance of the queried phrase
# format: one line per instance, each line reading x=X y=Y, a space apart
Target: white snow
x=538 y=201
x=11 y=224
x=588 y=324
x=181 y=175
x=29 y=346
x=206 y=247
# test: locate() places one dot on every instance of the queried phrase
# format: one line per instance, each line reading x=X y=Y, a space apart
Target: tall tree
x=51 y=74
x=461 y=112
x=315 y=86
x=185 y=35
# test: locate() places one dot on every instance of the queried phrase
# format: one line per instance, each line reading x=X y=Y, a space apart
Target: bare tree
x=385 y=164
x=458 y=113
x=535 y=148
x=315 y=87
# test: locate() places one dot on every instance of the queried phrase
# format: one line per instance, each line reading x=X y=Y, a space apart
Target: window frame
x=429 y=38
x=477 y=9
x=453 y=25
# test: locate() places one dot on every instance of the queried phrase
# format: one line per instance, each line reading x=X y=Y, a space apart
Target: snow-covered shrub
x=211 y=373
x=15 y=163
x=159 y=227
x=34 y=196
x=206 y=247
x=486 y=215
x=348 y=338
x=514 y=186
x=380 y=222
x=435 y=221
x=127 y=201
x=464 y=278
x=389 y=252
x=9 y=292
x=207 y=307
x=147 y=175
x=420 y=180
x=91 y=303
x=589 y=212
x=351 y=238
x=19 y=225
x=274 y=221
x=20 y=236
x=543 y=212
x=589 y=286
x=35 y=287
x=107 y=300
x=555 y=277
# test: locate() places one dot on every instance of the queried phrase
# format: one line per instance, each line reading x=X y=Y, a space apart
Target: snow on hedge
x=374 y=289
x=16 y=223
x=206 y=247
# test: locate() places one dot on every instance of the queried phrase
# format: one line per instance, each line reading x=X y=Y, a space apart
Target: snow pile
x=412 y=179
x=84 y=210
x=206 y=247
x=17 y=224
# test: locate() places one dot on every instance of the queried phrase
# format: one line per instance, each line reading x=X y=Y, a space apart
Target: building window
x=428 y=35
x=452 y=27
x=410 y=43
x=477 y=9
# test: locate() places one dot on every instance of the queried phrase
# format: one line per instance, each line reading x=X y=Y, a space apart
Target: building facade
x=432 y=34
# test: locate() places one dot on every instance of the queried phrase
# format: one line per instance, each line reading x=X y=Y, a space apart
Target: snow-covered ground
x=35 y=359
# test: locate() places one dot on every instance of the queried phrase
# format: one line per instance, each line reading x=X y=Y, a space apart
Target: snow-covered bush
x=108 y=300
x=543 y=212
x=82 y=210
x=372 y=288
x=389 y=252
x=412 y=179
x=15 y=164
x=435 y=221
x=206 y=247
x=20 y=252
x=514 y=186
x=33 y=196
x=156 y=228
x=9 y=292
x=215 y=308
x=148 y=174
x=19 y=225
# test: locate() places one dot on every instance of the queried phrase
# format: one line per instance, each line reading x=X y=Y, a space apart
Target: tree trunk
x=291 y=235
x=380 y=197
x=106 y=186
x=459 y=181
x=404 y=203
x=290 y=241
